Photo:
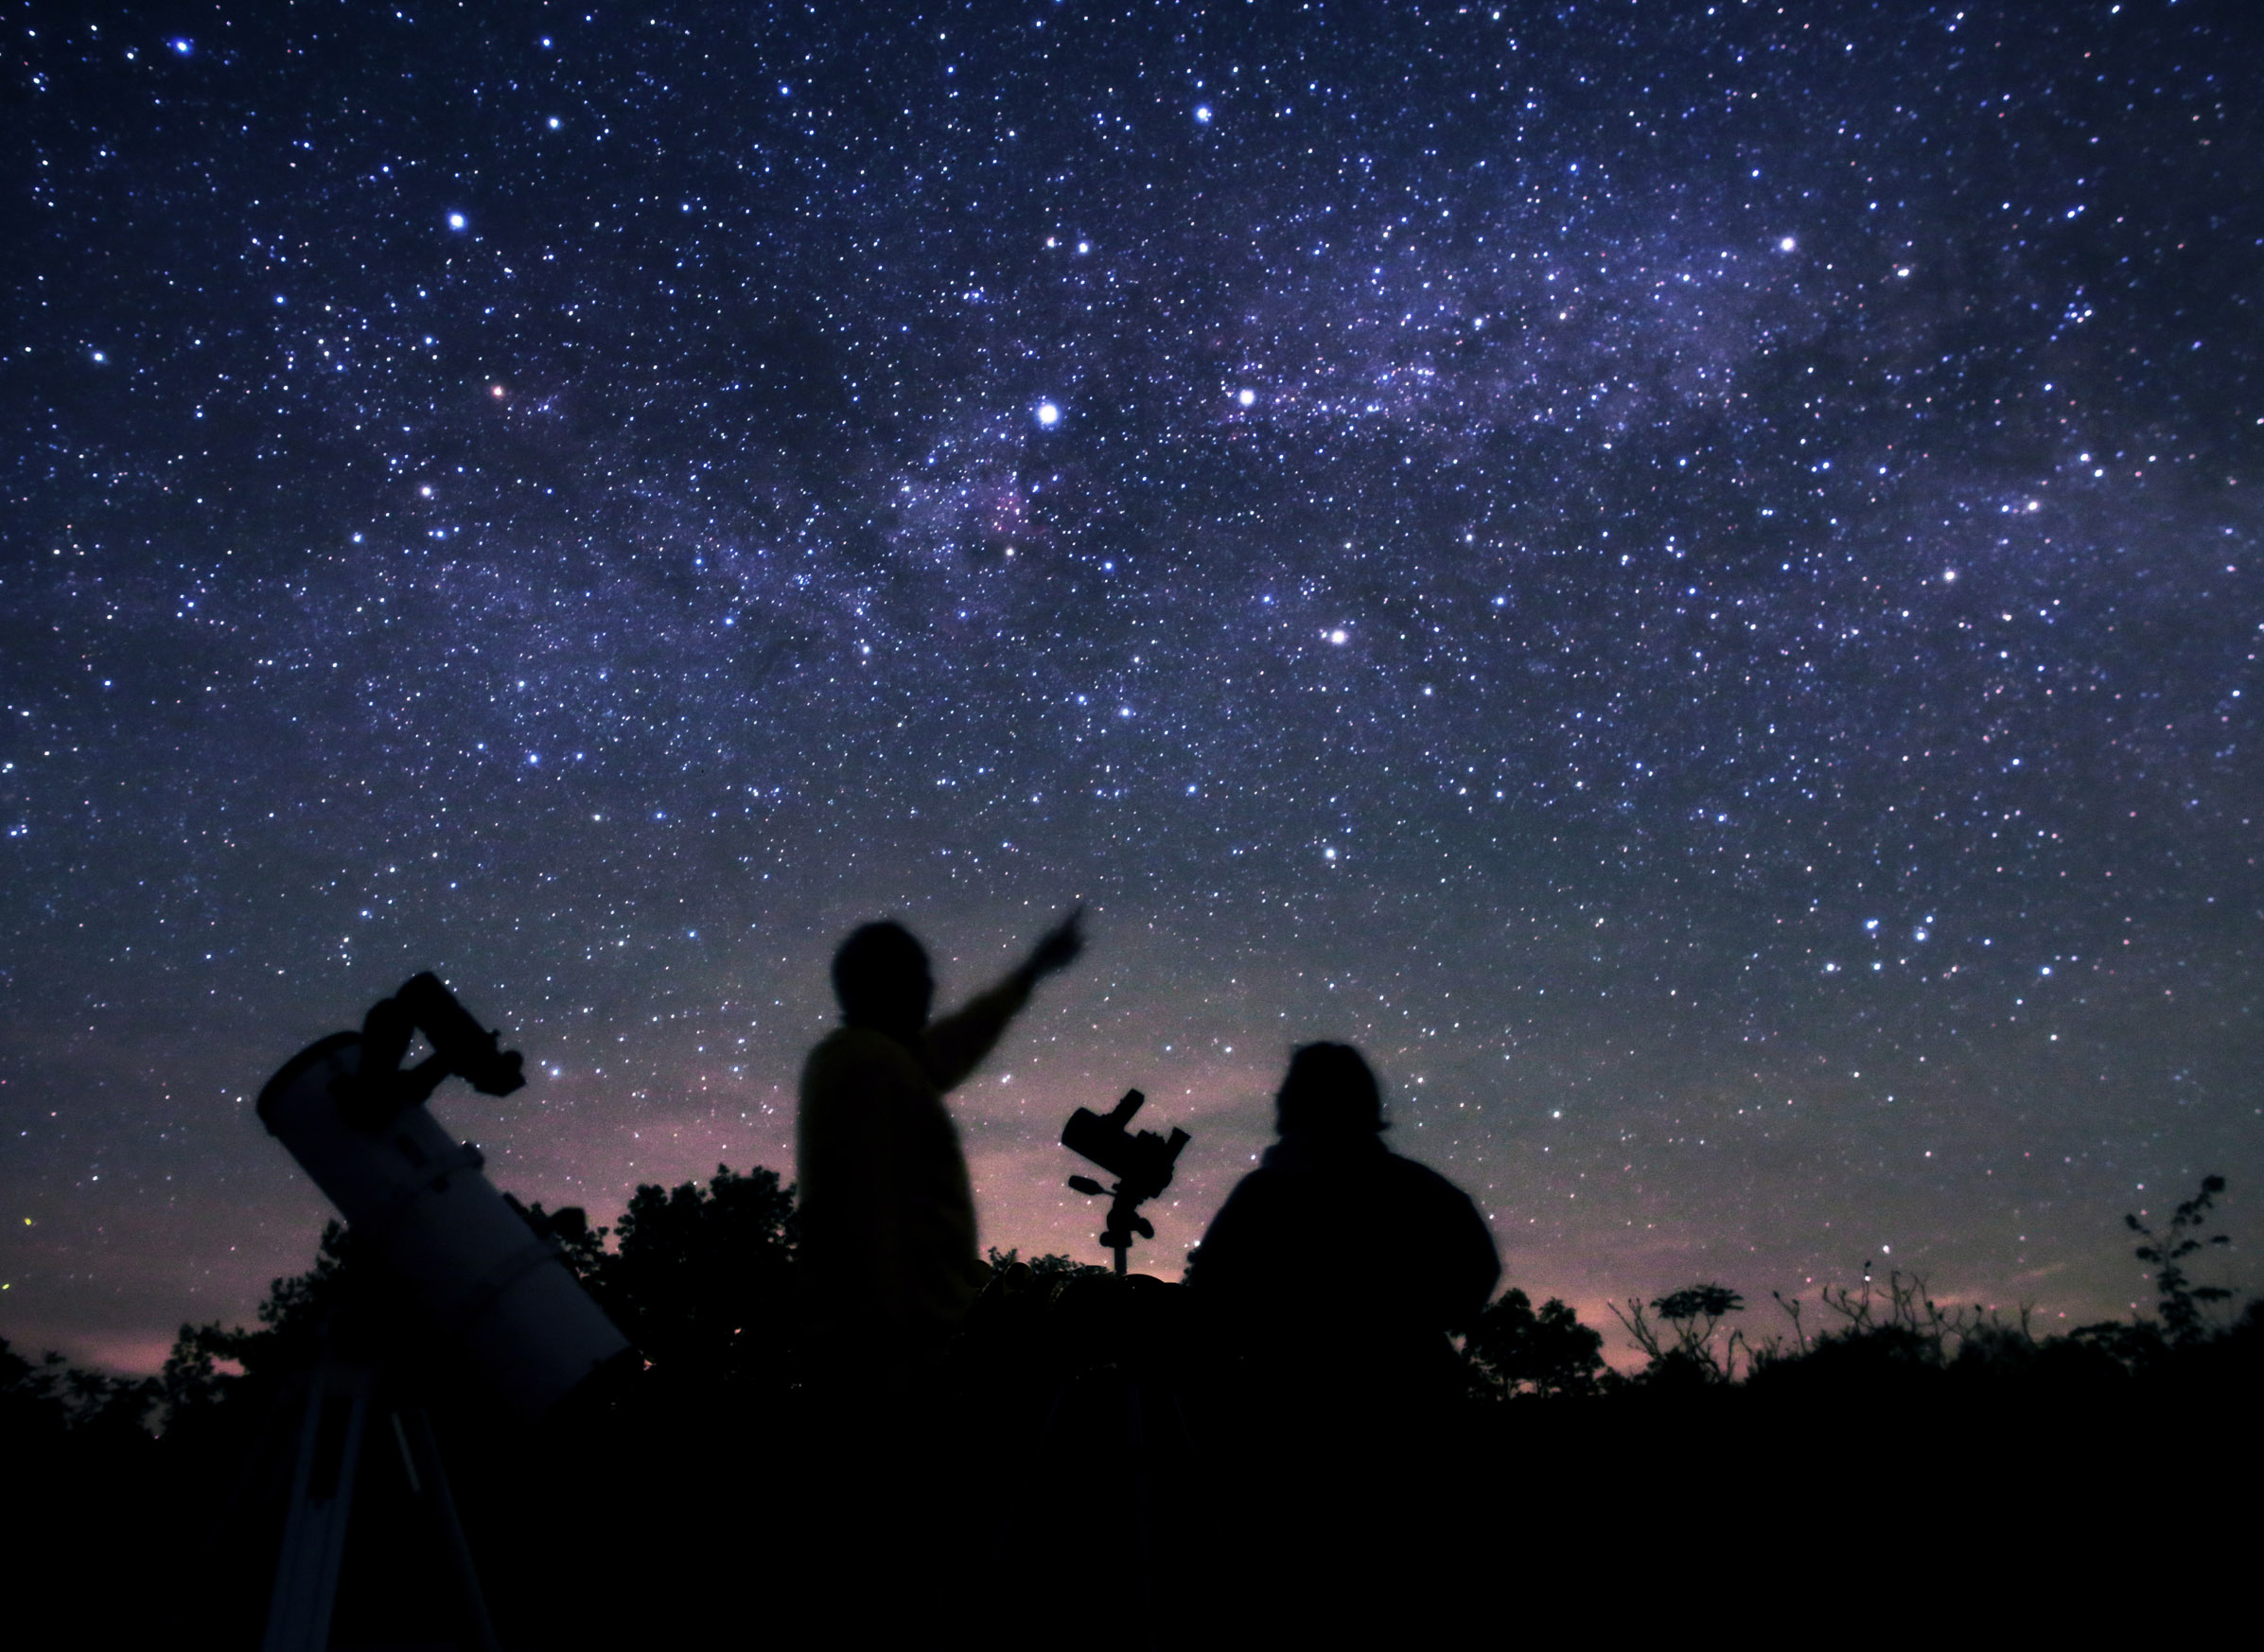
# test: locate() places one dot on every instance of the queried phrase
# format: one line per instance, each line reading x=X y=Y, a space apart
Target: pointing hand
x=1058 y=948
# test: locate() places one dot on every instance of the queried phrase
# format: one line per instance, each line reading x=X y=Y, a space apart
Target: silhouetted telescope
x=357 y=1123
x=1141 y=1164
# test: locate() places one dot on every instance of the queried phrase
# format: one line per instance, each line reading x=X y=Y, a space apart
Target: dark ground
x=1001 y=1503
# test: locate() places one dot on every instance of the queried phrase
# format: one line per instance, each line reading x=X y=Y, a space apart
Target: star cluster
x=1687 y=576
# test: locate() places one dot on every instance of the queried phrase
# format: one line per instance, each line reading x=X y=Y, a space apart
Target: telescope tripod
x=345 y=1400
x=1124 y=1222
x=1115 y=1425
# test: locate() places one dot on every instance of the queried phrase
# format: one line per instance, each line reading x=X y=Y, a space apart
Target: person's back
x=1331 y=1277
x=1338 y=1255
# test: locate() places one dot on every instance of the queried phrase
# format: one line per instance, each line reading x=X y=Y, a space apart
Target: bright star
x=1202 y=114
x=1787 y=245
x=1248 y=398
x=1048 y=414
x=455 y=221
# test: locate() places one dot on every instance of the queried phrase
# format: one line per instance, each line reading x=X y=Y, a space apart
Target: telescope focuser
x=379 y=1091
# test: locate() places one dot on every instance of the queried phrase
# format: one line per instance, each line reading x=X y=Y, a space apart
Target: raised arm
x=956 y=1043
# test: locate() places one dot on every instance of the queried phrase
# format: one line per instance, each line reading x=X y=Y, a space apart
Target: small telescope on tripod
x=1142 y=1164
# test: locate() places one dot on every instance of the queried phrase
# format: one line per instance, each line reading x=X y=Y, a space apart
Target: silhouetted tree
x=702 y=1279
x=1516 y=1350
x=30 y=1406
x=195 y=1383
x=2183 y=1303
x=52 y=1399
x=699 y=1278
x=568 y=1227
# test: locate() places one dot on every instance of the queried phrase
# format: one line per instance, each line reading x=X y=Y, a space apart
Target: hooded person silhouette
x=1338 y=1258
x=1330 y=1279
x=888 y=1214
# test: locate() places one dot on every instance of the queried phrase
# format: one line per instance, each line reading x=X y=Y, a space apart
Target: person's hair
x=1329 y=1088
x=877 y=967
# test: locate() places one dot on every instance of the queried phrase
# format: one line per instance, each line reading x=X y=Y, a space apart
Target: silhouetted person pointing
x=887 y=1215
x=1338 y=1262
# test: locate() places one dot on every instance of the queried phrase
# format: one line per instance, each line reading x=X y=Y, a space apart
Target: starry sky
x=1686 y=576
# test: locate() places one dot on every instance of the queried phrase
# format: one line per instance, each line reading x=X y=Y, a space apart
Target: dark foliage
x=1035 y=1394
x=292 y=1321
x=2184 y=1304
x=52 y=1401
x=1514 y=1350
x=1050 y=1266
x=1681 y=1346
x=700 y=1279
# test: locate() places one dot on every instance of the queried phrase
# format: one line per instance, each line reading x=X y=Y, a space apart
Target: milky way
x=1686 y=577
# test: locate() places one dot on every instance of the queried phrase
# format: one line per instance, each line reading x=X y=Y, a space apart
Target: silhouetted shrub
x=2184 y=1305
x=1515 y=1350
x=1689 y=1317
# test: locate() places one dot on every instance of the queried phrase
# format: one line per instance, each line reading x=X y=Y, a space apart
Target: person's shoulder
x=835 y=1046
x=1414 y=1176
x=849 y=1051
x=1257 y=1181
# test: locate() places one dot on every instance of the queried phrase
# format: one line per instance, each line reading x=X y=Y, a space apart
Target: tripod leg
x=429 y=1479
x=1144 y=1512
x=321 y=1497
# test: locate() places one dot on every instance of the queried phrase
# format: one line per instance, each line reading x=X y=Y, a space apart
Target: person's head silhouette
x=1329 y=1091
x=881 y=976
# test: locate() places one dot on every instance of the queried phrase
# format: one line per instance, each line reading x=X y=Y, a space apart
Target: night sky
x=1686 y=576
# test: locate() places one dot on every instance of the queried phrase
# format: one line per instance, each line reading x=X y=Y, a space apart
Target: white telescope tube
x=420 y=1200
